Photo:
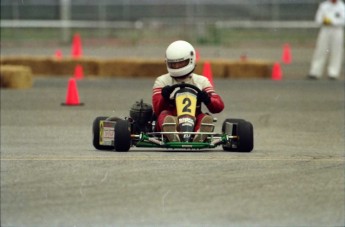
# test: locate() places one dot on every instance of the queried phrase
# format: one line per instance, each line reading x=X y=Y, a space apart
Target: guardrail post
x=65 y=16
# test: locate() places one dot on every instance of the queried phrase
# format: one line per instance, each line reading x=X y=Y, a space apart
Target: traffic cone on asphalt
x=197 y=55
x=72 y=96
x=77 y=50
x=207 y=72
x=58 y=54
x=286 y=55
x=277 y=73
x=78 y=72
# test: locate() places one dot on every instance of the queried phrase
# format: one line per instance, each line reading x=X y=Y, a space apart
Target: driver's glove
x=166 y=91
x=204 y=97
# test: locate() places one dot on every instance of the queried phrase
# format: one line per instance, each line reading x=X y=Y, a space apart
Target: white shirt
x=335 y=12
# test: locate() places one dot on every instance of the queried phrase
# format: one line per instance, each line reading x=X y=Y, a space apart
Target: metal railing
x=130 y=10
x=204 y=17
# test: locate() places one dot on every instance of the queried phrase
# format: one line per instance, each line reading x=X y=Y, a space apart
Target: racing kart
x=139 y=129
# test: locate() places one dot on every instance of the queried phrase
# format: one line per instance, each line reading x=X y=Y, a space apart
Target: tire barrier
x=15 y=76
x=136 y=67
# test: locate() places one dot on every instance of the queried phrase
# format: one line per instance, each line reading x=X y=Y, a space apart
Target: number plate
x=106 y=133
x=186 y=103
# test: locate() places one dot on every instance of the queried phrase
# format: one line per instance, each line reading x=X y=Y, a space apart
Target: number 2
x=188 y=104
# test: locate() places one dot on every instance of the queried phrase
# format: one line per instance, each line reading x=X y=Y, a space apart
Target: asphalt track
x=52 y=176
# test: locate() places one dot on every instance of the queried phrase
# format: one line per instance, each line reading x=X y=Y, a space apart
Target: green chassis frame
x=146 y=140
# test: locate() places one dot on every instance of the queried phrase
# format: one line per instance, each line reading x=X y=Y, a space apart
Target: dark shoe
x=311 y=77
x=332 y=78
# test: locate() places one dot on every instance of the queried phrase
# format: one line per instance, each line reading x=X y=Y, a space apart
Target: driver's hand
x=204 y=97
x=166 y=91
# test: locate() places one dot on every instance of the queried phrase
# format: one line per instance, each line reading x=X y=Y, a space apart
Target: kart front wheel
x=244 y=131
x=246 y=137
x=122 y=137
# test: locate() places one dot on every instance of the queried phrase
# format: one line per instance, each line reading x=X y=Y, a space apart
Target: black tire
x=245 y=132
x=122 y=140
x=95 y=132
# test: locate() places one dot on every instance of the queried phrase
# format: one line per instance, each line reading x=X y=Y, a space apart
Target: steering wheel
x=184 y=85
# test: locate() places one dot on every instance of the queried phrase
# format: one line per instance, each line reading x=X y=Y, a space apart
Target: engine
x=141 y=113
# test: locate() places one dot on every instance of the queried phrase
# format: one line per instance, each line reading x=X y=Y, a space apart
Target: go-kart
x=139 y=129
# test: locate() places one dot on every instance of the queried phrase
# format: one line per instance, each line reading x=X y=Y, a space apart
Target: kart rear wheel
x=122 y=137
x=244 y=131
x=96 y=133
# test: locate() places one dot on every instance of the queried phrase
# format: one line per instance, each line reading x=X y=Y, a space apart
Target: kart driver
x=180 y=61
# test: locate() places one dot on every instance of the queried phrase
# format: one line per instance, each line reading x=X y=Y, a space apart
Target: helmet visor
x=178 y=64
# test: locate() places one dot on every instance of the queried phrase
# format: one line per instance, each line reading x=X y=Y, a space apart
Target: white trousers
x=329 y=46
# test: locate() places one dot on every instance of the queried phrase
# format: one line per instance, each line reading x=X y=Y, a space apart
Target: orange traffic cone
x=72 y=97
x=78 y=72
x=58 y=54
x=197 y=55
x=77 y=50
x=243 y=57
x=207 y=72
x=286 y=55
x=277 y=73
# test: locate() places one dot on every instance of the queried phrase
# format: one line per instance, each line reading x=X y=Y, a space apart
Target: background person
x=330 y=42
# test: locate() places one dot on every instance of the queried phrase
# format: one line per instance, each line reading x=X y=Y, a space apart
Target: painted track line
x=147 y=158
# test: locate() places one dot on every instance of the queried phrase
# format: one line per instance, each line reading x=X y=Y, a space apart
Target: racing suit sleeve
x=216 y=105
x=158 y=102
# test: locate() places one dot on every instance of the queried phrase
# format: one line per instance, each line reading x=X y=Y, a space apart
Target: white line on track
x=146 y=158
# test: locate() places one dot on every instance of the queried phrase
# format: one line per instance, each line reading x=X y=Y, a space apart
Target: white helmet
x=180 y=58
